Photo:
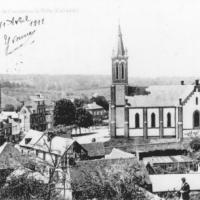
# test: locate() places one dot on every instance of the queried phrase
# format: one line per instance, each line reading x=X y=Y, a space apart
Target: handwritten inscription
x=14 y=43
x=14 y=21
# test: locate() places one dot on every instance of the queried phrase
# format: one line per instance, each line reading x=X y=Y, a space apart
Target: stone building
x=162 y=111
x=33 y=114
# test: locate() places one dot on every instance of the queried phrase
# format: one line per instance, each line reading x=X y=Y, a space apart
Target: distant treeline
x=8 y=84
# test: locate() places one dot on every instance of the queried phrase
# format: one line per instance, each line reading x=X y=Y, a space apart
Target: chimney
x=180 y=101
x=182 y=82
x=197 y=82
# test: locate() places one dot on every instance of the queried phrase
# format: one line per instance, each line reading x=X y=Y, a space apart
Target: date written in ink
x=15 y=21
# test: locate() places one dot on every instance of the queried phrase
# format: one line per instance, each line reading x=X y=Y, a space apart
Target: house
x=95 y=150
x=13 y=119
x=98 y=112
x=5 y=131
x=33 y=114
x=54 y=150
x=49 y=114
x=161 y=111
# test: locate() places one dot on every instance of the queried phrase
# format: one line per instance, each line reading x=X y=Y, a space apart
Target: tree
x=78 y=103
x=195 y=144
x=23 y=188
x=101 y=101
x=83 y=118
x=64 y=112
x=9 y=107
x=108 y=180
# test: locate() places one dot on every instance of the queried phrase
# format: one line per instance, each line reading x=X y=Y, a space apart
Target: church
x=161 y=111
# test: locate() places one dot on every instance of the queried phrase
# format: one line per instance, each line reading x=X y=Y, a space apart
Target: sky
x=78 y=36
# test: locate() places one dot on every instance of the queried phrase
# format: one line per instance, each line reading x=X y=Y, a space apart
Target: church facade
x=162 y=111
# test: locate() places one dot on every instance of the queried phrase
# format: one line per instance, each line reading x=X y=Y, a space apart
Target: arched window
x=196 y=119
x=137 y=120
x=153 y=120
x=122 y=68
x=197 y=101
x=117 y=71
x=168 y=119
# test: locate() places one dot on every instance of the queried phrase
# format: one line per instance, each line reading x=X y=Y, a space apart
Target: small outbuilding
x=95 y=150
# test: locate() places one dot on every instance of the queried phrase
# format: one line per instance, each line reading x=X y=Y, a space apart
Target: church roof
x=161 y=96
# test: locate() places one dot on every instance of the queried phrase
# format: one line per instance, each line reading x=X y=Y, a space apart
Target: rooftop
x=39 y=140
x=117 y=154
x=94 y=149
x=167 y=159
x=93 y=106
x=161 y=95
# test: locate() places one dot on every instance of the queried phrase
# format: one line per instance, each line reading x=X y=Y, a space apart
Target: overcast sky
x=162 y=36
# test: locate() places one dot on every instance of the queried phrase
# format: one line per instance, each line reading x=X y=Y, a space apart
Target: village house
x=98 y=112
x=9 y=127
x=164 y=111
x=33 y=114
x=56 y=149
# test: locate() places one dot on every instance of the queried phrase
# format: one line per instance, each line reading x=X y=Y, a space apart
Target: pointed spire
x=120 y=48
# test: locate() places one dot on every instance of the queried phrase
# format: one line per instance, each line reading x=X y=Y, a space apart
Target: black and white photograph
x=100 y=100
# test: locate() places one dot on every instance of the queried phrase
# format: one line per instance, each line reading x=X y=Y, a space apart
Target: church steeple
x=120 y=48
x=119 y=112
x=120 y=62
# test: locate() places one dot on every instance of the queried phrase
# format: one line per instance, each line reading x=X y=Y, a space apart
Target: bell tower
x=120 y=62
x=119 y=87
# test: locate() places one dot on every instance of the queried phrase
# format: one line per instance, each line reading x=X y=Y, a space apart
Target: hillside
x=20 y=87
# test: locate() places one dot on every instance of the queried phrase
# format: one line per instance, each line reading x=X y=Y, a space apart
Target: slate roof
x=39 y=141
x=94 y=149
x=160 y=96
x=93 y=106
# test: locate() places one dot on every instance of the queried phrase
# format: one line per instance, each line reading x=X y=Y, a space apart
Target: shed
x=95 y=150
